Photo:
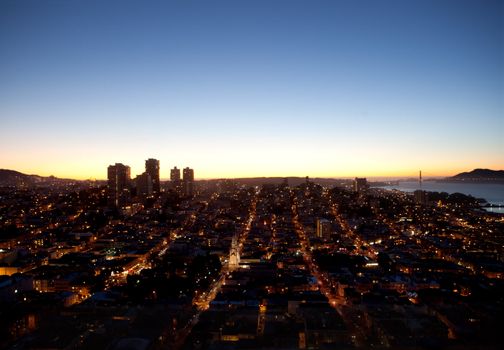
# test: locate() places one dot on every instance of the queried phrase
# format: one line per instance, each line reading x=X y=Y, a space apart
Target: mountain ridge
x=478 y=175
x=15 y=178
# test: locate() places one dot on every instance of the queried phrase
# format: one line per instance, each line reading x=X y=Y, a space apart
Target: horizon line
x=328 y=177
x=254 y=177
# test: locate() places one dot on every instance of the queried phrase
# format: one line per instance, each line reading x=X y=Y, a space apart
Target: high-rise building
x=144 y=184
x=324 y=228
x=175 y=174
x=360 y=184
x=152 y=168
x=420 y=197
x=118 y=186
x=175 y=182
x=188 y=181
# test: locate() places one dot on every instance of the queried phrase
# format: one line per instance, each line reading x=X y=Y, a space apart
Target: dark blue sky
x=329 y=88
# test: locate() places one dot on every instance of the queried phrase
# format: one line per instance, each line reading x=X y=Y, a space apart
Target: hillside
x=15 y=178
x=291 y=180
x=479 y=175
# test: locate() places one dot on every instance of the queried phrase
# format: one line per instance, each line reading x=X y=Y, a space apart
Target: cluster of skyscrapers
x=121 y=187
x=184 y=186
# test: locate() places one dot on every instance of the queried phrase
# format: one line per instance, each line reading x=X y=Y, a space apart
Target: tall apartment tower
x=420 y=197
x=144 y=185
x=175 y=182
x=175 y=174
x=360 y=184
x=118 y=186
x=152 y=168
x=188 y=181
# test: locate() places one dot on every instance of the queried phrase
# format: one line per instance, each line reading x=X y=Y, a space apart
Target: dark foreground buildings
x=237 y=266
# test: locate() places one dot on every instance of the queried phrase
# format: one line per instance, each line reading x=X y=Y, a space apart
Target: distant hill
x=15 y=178
x=291 y=180
x=479 y=175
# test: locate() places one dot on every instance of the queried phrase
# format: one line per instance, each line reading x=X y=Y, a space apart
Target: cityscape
x=251 y=174
x=219 y=264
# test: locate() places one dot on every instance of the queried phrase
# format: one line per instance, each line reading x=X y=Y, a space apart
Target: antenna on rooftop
x=420 y=179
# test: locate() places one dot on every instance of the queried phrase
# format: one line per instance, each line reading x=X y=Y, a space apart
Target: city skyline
x=166 y=174
x=255 y=88
x=251 y=174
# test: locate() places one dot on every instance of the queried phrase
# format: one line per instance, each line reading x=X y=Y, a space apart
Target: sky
x=252 y=88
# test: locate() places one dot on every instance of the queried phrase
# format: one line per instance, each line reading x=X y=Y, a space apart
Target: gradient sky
x=252 y=88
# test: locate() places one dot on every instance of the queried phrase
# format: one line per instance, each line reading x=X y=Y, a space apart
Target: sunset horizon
x=201 y=174
x=251 y=174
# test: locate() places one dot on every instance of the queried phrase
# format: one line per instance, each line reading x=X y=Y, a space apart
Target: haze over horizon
x=252 y=88
x=335 y=177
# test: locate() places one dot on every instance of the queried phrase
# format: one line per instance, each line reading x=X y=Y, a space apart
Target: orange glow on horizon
x=323 y=162
x=201 y=174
